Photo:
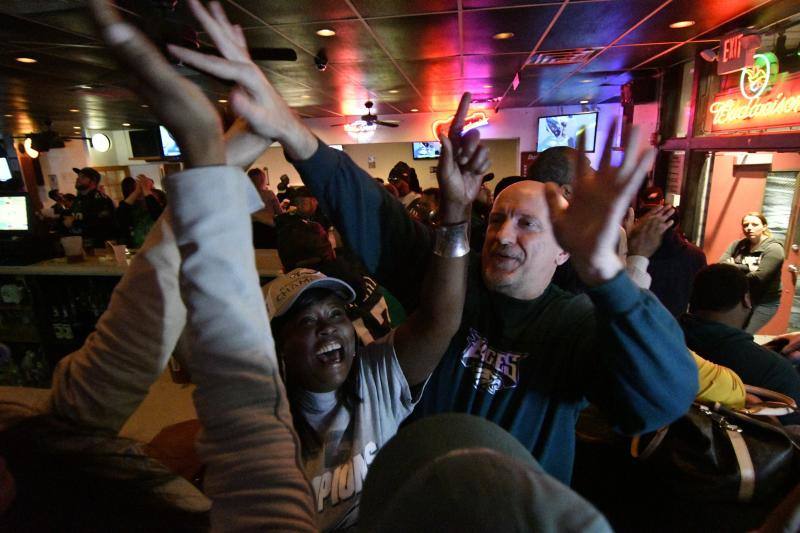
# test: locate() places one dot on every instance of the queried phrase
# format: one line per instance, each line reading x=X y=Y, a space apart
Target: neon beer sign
x=475 y=120
x=762 y=100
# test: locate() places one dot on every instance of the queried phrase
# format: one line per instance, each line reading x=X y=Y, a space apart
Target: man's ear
x=562 y=257
x=566 y=191
x=746 y=302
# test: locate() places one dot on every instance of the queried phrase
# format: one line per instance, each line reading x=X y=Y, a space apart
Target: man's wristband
x=451 y=240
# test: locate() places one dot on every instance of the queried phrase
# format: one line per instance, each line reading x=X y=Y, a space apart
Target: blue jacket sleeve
x=394 y=247
x=644 y=377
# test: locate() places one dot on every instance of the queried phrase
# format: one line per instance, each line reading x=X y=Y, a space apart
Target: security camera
x=709 y=55
x=321 y=60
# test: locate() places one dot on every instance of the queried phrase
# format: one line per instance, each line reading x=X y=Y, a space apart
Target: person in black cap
x=92 y=212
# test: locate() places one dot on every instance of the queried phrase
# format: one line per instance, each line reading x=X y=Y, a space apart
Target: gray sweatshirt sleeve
x=254 y=474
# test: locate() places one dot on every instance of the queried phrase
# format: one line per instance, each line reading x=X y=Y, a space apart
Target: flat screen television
x=145 y=143
x=5 y=170
x=169 y=148
x=562 y=130
x=14 y=213
x=426 y=150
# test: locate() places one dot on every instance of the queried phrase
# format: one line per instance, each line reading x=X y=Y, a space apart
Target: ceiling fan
x=370 y=120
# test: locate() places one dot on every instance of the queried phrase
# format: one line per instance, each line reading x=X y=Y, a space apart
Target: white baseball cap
x=281 y=293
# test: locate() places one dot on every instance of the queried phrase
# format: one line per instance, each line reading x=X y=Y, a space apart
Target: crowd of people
x=484 y=322
x=92 y=215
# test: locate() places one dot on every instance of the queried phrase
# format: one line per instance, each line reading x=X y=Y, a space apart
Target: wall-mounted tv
x=426 y=150
x=5 y=170
x=14 y=213
x=562 y=130
x=145 y=143
x=169 y=148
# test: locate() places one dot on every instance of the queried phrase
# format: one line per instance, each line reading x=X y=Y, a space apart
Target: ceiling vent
x=562 y=57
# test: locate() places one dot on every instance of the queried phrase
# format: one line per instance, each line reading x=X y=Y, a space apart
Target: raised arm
x=374 y=225
x=642 y=374
x=421 y=341
x=248 y=444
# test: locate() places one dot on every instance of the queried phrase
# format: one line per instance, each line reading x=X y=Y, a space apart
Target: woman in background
x=760 y=255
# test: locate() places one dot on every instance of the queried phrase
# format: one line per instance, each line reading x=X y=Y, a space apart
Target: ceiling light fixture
x=222 y=101
x=26 y=60
x=326 y=32
x=87 y=87
x=145 y=105
x=488 y=86
x=584 y=101
x=393 y=91
x=681 y=24
x=100 y=142
x=502 y=36
x=414 y=110
x=76 y=127
x=305 y=96
x=126 y=124
x=8 y=116
x=586 y=81
x=28 y=145
x=73 y=110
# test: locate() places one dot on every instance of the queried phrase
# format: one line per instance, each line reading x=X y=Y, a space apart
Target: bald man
x=528 y=355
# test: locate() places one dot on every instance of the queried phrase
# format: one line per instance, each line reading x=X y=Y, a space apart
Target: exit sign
x=736 y=52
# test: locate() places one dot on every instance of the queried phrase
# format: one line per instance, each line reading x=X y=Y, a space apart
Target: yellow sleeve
x=718 y=384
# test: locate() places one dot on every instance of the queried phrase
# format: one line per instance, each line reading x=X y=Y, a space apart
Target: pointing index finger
x=458 y=119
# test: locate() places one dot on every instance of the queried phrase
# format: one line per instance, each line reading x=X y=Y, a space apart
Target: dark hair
x=559 y=164
x=346 y=394
x=128 y=186
x=54 y=194
x=718 y=287
x=69 y=196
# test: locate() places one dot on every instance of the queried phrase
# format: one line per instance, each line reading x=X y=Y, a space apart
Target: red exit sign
x=736 y=52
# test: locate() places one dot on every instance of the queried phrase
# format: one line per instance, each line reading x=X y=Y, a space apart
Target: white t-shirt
x=337 y=471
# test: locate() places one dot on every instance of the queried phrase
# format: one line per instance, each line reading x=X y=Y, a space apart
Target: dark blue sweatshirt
x=529 y=366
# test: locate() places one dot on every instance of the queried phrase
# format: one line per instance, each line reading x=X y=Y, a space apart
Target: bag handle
x=772 y=396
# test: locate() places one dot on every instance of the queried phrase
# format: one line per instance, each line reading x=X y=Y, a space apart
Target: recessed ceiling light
x=87 y=87
x=73 y=110
x=126 y=124
x=76 y=127
x=305 y=96
x=682 y=24
x=393 y=91
x=8 y=116
x=26 y=60
x=502 y=36
x=487 y=86
x=222 y=101
x=414 y=110
x=584 y=101
x=586 y=81
x=326 y=32
x=145 y=105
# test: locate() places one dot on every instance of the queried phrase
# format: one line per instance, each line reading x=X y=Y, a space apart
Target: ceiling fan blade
x=389 y=123
x=273 y=54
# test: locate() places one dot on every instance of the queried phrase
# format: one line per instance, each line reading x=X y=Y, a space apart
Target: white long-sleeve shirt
x=254 y=475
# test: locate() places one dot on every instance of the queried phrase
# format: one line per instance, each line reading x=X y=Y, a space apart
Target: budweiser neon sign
x=760 y=102
x=475 y=120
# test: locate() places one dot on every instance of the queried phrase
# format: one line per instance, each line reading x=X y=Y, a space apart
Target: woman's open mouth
x=330 y=353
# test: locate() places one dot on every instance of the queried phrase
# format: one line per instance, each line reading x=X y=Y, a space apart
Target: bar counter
x=47 y=309
x=103 y=264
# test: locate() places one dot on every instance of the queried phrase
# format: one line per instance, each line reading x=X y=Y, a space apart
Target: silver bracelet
x=451 y=240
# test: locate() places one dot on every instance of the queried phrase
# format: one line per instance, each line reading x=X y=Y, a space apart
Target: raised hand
x=178 y=103
x=253 y=98
x=588 y=228
x=647 y=233
x=462 y=164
